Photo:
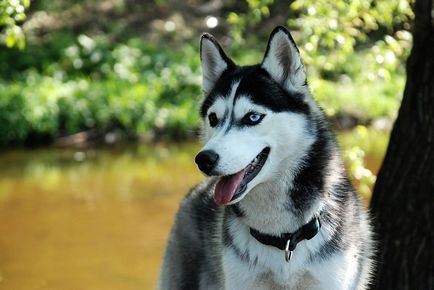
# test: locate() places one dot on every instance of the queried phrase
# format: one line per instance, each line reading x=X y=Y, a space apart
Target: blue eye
x=252 y=118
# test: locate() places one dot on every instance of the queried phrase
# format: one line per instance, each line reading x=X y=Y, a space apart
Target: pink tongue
x=226 y=187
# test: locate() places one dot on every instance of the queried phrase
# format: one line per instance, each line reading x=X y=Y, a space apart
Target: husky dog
x=278 y=210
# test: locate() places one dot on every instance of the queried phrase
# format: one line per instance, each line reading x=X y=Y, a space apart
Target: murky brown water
x=90 y=218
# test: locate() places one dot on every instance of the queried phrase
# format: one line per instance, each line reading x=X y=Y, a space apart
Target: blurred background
x=99 y=118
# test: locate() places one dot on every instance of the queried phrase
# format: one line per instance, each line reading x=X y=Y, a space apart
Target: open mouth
x=230 y=187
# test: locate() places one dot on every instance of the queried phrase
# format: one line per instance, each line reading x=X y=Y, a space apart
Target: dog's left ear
x=282 y=60
x=213 y=60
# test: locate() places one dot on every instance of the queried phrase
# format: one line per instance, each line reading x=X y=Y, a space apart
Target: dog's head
x=256 y=118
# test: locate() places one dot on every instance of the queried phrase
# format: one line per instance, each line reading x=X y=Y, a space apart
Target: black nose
x=206 y=160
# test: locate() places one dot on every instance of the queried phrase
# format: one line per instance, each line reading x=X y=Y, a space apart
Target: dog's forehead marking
x=244 y=105
x=223 y=107
x=232 y=93
x=230 y=100
x=224 y=103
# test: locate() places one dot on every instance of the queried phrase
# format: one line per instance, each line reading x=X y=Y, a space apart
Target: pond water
x=91 y=218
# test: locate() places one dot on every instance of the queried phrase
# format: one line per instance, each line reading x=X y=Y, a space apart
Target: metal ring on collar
x=288 y=253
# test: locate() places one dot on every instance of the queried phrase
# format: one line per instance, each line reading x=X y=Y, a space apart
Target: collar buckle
x=288 y=252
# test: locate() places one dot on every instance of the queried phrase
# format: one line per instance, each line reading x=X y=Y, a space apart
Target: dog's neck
x=287 y=203
x=268 y=209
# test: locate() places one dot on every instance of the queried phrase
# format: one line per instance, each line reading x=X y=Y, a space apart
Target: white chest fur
x=243 y=275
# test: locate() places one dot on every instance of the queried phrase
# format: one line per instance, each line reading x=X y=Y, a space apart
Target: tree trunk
x=403 y=198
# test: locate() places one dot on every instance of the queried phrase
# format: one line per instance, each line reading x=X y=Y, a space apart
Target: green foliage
x=363 y=178
x=333 y=31
x=12 y=114
x=363 y=100
x=257 y=10
x=135 y=87
x=11 y=14
x=357 y=143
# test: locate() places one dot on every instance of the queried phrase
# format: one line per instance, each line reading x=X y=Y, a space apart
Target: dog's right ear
x=214 y=61
x=282 y=60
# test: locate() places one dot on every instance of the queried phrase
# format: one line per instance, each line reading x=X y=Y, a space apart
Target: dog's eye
x=252 y=118
x=213 y=120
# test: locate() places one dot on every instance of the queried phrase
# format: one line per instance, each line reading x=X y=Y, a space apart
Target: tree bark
x=403 y=198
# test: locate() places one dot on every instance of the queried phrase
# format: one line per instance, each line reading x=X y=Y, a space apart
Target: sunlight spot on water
x=79 y=156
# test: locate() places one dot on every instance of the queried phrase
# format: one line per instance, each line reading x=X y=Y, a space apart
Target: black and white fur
x=210 y=246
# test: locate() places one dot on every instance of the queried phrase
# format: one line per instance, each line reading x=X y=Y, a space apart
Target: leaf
x=10 y=40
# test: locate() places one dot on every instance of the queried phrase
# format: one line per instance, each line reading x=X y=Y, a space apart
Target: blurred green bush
x=134 y=87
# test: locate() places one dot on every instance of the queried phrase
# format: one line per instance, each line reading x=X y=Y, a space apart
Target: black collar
x=288 y=241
